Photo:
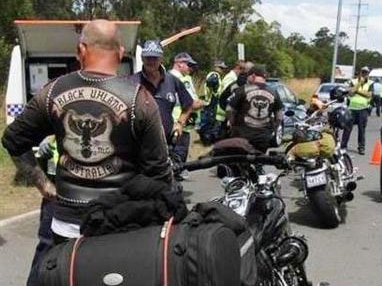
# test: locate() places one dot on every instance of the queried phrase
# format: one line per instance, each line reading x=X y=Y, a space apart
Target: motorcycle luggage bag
x=198 y=254
x=323 y=147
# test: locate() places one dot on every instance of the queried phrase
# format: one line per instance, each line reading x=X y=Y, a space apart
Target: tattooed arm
x=28 y=130
x=27 y=164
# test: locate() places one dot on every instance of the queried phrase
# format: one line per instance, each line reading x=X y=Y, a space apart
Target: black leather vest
x=93 y=122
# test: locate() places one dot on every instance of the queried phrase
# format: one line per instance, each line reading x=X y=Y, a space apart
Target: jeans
x=360 y=119
x=45 y=240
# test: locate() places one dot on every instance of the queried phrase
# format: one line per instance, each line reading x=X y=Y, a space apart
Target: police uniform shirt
x=167 y=94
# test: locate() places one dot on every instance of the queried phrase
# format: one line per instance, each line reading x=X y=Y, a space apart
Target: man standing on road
x=166 y=88
x=254 y=111
x=182 y=69
x=359 y=103
x=213 y=121
x=108 y=131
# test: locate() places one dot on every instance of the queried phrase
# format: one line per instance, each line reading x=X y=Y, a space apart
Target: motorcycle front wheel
x=326 y=206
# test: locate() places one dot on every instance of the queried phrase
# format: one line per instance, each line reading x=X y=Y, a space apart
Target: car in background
x=290 y=102
x=323 y=91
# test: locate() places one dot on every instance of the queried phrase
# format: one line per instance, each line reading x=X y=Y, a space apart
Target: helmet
x=339 y=93
x=212 y=82
x=340 y=118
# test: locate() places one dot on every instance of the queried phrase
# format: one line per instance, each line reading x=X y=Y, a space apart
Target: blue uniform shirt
x=169 y=91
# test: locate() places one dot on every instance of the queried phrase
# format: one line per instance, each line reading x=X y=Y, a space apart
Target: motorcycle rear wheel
x=326 y=206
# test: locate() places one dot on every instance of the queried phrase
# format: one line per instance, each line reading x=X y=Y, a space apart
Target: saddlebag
x=323 y=147
x=201 y=250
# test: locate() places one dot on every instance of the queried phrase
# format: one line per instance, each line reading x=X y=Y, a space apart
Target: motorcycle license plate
x=316 y=180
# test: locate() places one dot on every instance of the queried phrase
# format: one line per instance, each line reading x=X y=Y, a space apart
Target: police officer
x=254 y=111
x=108 y=130
x=211 y=119
x=359 y=102
x=167 y=89
x=182 y=68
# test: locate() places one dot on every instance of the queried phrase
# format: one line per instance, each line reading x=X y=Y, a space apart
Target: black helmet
x=340 y=118
x=212 y=82
x=339 y=93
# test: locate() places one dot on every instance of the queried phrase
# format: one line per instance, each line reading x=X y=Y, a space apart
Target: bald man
x=108 y=131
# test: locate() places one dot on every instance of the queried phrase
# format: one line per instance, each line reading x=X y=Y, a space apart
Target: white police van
x=46 y=50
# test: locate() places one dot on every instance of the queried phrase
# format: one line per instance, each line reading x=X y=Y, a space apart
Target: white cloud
x=307 y=17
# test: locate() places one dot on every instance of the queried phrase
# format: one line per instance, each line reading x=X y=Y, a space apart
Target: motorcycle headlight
x=235 y=204
x=236 y=185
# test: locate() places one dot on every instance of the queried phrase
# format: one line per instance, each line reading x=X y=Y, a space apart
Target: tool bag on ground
x=211 y=246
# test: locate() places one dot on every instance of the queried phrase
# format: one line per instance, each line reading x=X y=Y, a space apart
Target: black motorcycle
x=255 y=195
x=328 y=177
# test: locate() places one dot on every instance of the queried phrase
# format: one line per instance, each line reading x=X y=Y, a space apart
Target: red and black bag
x=211 y=246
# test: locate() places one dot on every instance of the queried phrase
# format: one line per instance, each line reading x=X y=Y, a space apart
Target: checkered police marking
x=14 y=109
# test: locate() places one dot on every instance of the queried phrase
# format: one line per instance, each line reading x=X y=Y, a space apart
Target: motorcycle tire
x=326 y=206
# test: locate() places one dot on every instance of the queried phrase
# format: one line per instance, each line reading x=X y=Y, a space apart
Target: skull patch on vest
x=259 y=107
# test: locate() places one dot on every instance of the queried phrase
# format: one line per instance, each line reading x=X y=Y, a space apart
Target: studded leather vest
x=93 y=121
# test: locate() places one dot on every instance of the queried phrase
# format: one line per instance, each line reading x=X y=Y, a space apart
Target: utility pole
x=334 y=62
x=356 y=35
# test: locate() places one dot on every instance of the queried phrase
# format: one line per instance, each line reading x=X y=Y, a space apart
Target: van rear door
x=46 y=50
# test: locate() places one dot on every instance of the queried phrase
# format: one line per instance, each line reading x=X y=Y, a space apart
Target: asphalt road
x=350 y=255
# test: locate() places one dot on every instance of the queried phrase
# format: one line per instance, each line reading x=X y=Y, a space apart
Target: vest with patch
x=93 y=121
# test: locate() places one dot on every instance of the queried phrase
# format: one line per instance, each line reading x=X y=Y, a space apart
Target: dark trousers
x=376 y=102
x=182 y=146
x=359 y=119
x=45 y=240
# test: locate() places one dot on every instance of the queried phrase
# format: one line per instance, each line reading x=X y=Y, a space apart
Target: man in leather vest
x=108 y=131
x=254 y=111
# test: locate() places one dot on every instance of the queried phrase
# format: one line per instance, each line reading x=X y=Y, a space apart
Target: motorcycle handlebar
x=278 y=161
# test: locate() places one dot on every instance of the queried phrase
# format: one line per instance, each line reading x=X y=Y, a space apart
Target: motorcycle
x=255 y=195
x=328 y=176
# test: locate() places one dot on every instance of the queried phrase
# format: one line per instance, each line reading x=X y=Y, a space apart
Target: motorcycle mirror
x=289 y=113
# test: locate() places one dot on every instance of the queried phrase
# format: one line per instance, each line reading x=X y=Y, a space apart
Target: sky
x=307 y=17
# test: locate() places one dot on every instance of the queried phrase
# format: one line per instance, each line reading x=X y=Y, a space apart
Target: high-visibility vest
x=219 y=113
x=52 y=162
x=209 y=93
x=188 y=83
x=357 y=101
x=228 y=79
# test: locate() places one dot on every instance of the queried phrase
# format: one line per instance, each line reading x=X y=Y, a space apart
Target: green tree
x=54 y=9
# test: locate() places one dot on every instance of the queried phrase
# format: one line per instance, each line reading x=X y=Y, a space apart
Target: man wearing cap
x=167 y=89
x=182 y=68
x=210 y=126
x=254 y=111
x=359 y=102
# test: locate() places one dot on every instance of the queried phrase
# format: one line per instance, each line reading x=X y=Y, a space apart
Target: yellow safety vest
x=188 y=83
x=357 y=101
x=227 y=80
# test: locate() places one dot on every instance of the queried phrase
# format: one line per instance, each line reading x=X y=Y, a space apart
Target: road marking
x=17 y=218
